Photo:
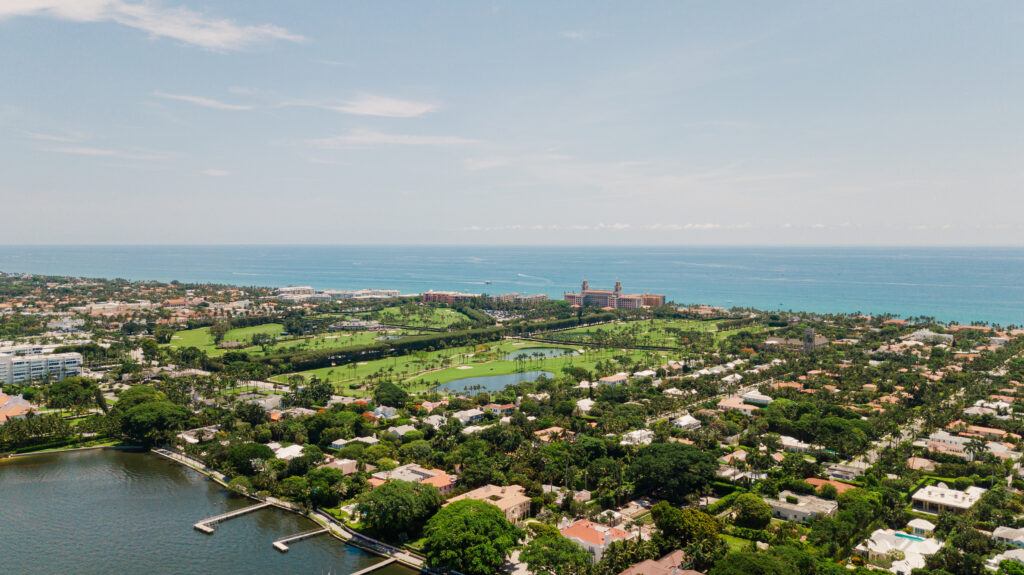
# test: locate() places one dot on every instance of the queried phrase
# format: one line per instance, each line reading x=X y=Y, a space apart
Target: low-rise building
x=637 y=437
x=687 y=422
x=467 y=416
x=594 y=537
x=898 y=552
x=1009 y=536
x=511 y=500
x=415 y=473
x=849 y=471
x=667 y=565
x=939 y=498
x=800 y=508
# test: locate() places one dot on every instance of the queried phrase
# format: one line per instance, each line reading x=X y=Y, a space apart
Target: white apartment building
x=34 y=367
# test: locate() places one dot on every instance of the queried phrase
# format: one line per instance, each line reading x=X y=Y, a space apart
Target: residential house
x=896 y=551
x=1009 y=536
x=800 y=508
x=415 y=473
x=594 y=537
x=667 y=565
x=637 y=437
x=467 y=416
x=616 y=379
x=511 y=500
x=939 y=498
x=687 y=422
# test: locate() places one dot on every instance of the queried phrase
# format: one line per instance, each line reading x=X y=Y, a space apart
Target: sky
x=385 y=122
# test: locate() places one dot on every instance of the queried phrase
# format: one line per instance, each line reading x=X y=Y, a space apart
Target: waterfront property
x=614 y=299
x=510 y=499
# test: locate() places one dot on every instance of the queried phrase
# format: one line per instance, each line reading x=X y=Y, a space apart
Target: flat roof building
x=35 y=367
x=800 y=508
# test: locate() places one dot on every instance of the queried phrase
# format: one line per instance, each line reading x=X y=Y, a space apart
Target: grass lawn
x=423 y=371
x=736 y=543
x=651 y=332
x=202 y=339
x=414 y=315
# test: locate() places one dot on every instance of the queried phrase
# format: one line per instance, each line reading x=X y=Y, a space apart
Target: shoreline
x=334 y=528
x=71 y=450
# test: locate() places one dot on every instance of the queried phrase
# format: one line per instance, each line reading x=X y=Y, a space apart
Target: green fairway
x=202 y=339
x=650 y=332
x=416 y=315
x=423 y=371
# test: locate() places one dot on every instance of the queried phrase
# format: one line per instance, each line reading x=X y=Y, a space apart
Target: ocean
x=951 y=284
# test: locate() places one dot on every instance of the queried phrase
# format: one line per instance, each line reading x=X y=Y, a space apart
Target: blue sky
x=512 y=122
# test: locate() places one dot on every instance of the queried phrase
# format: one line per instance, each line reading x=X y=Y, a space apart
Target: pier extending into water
x=282 y=544
x=206 y=525
x=376 y=566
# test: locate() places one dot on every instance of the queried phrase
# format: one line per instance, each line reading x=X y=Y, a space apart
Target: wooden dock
x=376 y=566
x=206 y=525
x=282 y=544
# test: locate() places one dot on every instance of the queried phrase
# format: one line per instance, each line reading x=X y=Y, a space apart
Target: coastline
x=334 y=527
x=964 y=284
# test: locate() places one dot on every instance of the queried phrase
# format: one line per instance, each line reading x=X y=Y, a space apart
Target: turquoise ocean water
x=956 y=284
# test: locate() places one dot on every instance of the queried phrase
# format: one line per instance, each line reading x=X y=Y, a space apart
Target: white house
x=687 y=422
x=896 y=551
x=938 y=498
x=469 y=415
x=637 y=437
x=1009 y=536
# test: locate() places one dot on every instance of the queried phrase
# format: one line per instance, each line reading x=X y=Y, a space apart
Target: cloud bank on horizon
x=181 y=121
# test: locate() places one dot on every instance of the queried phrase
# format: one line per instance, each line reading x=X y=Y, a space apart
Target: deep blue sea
x=954 y=284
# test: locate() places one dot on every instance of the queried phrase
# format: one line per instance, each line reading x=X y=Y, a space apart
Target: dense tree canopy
x=471 y=537
x=397 y=510
x=672 y=471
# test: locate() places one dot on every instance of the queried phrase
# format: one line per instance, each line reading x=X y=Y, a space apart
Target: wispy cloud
x=64 y=138
x=95 y=152
x=579 y=35
x=215 y=173
x=370 y=105
x=368 y=138
x=202 y=101
x=174 y=22
x=362 y=105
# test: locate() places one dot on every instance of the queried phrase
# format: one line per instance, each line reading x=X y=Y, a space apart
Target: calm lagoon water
x=105 y=511
x=532 y=352
x=962 y=284
x=483 y=383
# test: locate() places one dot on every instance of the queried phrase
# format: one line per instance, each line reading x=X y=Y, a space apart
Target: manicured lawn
x=653 y=332
x=202 y=339
x=423 y=371
x=414 y=315
x=736 y=543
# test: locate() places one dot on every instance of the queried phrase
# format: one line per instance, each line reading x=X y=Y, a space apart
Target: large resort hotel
x=613 y=299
